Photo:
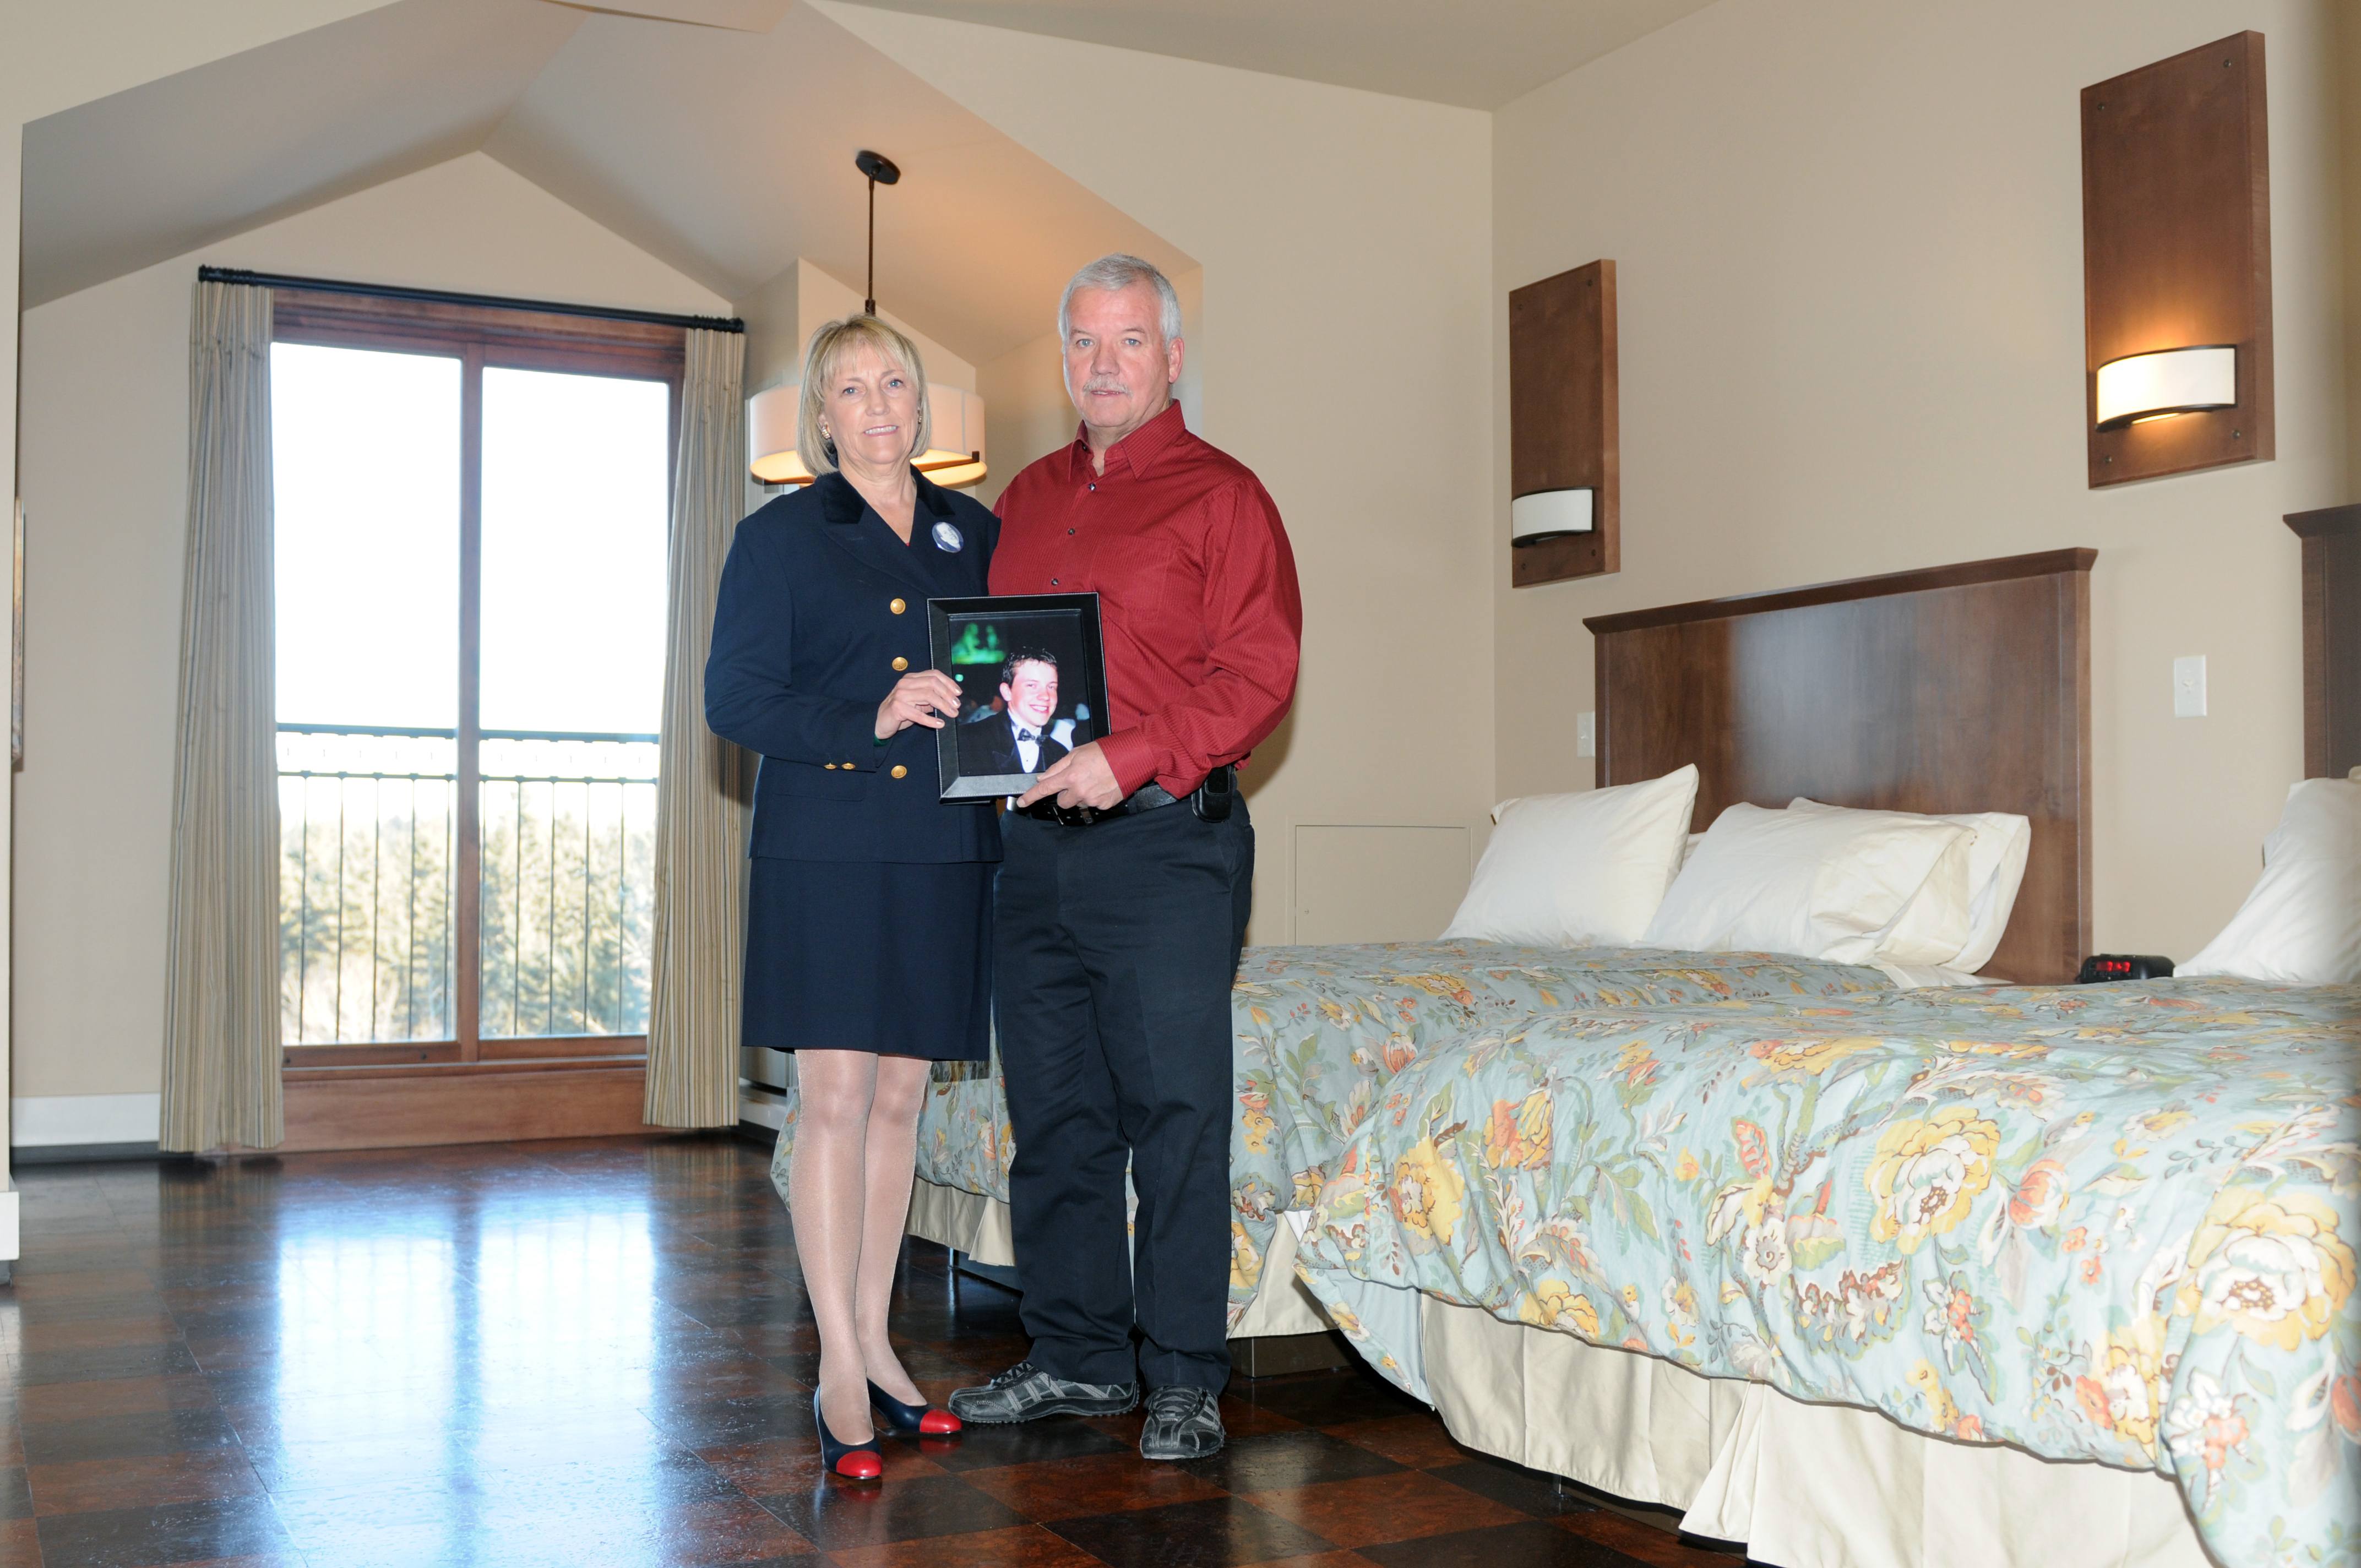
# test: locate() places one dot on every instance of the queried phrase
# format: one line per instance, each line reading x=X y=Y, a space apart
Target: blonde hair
x=830 y=346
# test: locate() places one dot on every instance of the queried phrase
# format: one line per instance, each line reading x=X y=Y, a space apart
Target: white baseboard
x=39 y=1119
x=758 y=1105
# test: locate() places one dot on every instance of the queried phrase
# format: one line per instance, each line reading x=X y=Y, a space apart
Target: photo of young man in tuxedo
x=1019 y=738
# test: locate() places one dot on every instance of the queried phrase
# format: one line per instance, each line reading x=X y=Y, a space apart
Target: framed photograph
x=1032 y=680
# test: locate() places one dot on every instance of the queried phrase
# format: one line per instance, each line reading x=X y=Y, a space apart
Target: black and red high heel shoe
x=853 y=1461
x=927 y=1421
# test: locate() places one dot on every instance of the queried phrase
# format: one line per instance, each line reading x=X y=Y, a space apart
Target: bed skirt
x=977 y=1226
x=1803 y=1486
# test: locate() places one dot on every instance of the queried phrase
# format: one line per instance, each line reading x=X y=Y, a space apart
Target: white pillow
x=1571 y=870
x=1996 y=856
x=2301 y=925
x=1817 y=884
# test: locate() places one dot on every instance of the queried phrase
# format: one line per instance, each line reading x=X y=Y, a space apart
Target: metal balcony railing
x=371 y=907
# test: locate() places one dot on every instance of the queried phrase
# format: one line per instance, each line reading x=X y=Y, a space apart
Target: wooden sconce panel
x=2332 y=639
x=1562 y=428
x=2177 y=248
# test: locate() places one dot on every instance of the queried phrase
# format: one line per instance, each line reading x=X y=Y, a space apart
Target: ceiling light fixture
x=954 y=454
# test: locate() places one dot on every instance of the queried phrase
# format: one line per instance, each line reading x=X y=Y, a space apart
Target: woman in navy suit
x=869 y=934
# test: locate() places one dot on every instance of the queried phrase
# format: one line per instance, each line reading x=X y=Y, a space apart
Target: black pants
x=1115 y=947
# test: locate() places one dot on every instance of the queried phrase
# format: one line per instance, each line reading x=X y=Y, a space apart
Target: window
x=472 y=510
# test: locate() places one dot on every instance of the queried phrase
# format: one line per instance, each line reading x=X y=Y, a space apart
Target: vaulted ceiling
x=1476 y=53
x=719 y=135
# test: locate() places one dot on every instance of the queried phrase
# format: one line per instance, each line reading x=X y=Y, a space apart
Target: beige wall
x=1025 y=411
x=52 y=57
x=104 y=441
x=2348 y=82
x=1343 y=240
x=1849 y=250
x=783 y=313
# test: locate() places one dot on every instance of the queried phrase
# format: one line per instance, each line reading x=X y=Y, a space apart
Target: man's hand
x=1081 y=777
x=922 y=696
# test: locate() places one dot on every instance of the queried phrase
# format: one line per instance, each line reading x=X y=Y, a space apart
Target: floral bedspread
x=2108 y=1222
x=1321 y=1030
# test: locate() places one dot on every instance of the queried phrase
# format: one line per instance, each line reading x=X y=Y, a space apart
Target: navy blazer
x=821 y=610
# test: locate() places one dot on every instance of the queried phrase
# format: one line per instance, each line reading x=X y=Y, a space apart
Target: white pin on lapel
x=948 y=537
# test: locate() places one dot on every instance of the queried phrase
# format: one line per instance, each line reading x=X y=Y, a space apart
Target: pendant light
x=954 y=453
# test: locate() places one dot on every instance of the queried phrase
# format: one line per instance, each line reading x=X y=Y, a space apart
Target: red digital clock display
x=2125 y=966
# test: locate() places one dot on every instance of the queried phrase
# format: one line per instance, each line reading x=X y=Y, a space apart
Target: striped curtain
x=699 y=942
x=221 y=1010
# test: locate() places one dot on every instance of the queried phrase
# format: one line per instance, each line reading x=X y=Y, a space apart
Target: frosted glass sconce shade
x=2172 y=381
x=1550 y=514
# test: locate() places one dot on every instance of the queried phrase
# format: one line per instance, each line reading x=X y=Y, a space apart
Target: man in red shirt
x=1128 y=874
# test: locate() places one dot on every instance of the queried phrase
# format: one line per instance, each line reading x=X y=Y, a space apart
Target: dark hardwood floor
x=594 y=1353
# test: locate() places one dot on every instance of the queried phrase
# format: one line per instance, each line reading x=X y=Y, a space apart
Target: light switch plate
x=1586 y=733
x=2189 y=686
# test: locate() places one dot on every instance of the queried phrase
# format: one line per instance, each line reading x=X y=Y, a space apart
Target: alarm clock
x=2099 y=967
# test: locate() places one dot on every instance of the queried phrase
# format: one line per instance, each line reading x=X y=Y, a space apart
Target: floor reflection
x=599 y=1353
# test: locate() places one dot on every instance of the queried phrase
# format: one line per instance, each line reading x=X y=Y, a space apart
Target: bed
x=1320 y=1031
x=2114 y=1224
x=1830 y=1396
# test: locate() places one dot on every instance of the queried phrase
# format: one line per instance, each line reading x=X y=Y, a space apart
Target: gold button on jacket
x=900 y=663
x=900 y=772
x=898 y=607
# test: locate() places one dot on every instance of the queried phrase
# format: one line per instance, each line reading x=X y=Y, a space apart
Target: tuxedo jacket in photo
x=988 y=747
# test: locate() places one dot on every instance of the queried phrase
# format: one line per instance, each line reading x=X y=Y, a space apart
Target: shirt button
x=1053 y=582
x=1070 y=533
x=830 y=766
x=900 y=772
x=898 y=607
x=900 y=663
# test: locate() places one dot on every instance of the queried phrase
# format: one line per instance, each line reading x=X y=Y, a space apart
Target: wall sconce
x=1563 y=470
x=2177 y=265
x=2142 y=387
x=1550 y=514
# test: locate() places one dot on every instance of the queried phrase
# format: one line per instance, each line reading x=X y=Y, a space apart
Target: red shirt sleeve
x=1252 y=622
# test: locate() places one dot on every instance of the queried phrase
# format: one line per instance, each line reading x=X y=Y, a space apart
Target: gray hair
x=1114 y=273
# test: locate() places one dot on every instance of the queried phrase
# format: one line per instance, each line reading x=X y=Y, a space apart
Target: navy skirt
x=870 y=956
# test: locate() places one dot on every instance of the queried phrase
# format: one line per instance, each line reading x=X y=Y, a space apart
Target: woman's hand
x=922 y=696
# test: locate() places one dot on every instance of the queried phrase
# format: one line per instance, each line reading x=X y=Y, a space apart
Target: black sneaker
x=1182 y=1423
x=1026 y=1393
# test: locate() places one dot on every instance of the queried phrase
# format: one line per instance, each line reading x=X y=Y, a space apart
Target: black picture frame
x=976 y=642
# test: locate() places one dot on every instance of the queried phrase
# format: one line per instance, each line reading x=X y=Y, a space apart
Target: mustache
x=1106 y=384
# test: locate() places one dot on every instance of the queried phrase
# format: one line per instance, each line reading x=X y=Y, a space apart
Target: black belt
x=1149 y=796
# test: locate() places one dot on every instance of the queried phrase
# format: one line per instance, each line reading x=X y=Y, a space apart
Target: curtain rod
x=440 y=296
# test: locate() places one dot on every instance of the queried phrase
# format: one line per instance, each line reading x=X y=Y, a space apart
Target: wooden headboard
x=2332 y=639
x=1956 y=688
